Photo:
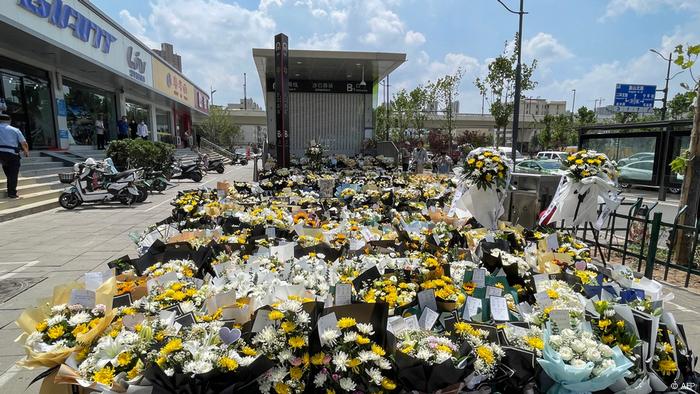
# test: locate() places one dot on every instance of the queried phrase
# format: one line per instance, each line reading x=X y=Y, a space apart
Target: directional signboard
x=634 y=98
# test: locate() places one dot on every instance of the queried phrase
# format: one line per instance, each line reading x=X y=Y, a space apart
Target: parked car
x=641 y=156
x=639 y=171
x=506 y=151
x=551 y=155
x=553 y=167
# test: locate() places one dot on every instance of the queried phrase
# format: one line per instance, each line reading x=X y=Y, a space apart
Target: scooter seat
x=121 y=174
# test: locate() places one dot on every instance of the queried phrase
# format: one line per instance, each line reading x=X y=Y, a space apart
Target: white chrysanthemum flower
x=605 y=351
x=79 y=318
x=169 y=371
x=383 y=363
x=303 y=317
x=285 y=355
x=578 y=346
x=53 y=320
x=365 y=328
x=375 y=376
x=423 y=354
x=320 y=379
x=57 y=308
x=347 y=384
x=350 y=337
x=340 y=360
x=330 y=337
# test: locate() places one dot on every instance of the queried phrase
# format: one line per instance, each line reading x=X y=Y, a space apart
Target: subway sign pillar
x=282 y=99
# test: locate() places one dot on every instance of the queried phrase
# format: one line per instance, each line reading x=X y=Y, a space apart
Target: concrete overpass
x=461 y=121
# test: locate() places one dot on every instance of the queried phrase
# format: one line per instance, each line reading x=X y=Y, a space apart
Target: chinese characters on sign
x=634 y=98
x=282 y=99
x=311 y=86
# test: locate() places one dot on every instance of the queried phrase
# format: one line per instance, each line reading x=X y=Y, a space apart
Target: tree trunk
x=690 y=192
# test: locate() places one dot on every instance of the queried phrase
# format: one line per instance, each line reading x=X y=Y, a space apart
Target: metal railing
x=650 y=242
x=206 y=144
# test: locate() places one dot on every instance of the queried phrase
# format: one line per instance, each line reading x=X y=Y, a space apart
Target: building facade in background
x=64 y=65
x=245 y=104
x=167 y=52
x=538 y=106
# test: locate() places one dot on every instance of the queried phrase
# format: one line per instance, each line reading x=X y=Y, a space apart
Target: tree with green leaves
x=558 y=132
x=402 y=113
x=500 y=82
x=218 y=127
x=420 y=97
x=445 y=90
x=686 y=56
x=382 y=123
x=681 y=106
x=585 y=116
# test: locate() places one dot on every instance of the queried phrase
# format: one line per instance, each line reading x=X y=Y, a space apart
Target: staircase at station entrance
x=38 y=185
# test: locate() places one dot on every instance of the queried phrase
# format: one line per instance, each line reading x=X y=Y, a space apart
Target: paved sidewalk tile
x=61 y=246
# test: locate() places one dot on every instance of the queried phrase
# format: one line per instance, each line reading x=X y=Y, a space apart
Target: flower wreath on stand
x=482 y=187
x=315 y=154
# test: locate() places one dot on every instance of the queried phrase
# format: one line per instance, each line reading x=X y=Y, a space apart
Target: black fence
x=632 y=235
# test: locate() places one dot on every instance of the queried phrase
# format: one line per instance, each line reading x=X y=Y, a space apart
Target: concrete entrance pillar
x=121 y=104
x=153 y=122
x=61 y=112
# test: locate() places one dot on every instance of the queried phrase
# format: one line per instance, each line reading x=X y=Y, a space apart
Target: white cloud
x=619 y=7
x=384 y=26
x=329 y=42
x=265 y=4
x=414 y=38
x=319 y=13
x=136 y=25
x=545 y=48
x=214 y=39
x=339 y=16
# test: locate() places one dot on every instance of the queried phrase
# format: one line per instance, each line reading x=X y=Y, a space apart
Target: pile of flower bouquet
x=373 y=288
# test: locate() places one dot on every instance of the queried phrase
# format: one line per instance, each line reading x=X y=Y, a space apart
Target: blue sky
x=587 y=45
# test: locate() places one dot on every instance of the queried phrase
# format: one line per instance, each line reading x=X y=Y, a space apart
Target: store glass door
x=28 y=100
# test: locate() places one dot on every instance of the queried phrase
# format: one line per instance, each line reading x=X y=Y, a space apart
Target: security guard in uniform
x=11 y=141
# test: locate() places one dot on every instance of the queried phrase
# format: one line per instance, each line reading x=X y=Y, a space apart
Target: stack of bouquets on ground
x=356 y=278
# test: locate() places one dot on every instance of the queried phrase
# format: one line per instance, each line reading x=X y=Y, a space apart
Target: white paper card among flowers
x=560 y=319
x=343 y=294
x=474 y=306
x=262 y=320
x=493 y=291
x=85 y=298
x=499 y=308
x=326 y=187
x=428 y=318
x=327 y=322
x=412 y=323
x=426 y=299
x=479 y=277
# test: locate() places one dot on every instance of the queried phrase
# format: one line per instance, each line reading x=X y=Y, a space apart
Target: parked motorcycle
x=240 y=159
x=213 y=164
x=156 y=181
x=190 y=170
x=94 y=182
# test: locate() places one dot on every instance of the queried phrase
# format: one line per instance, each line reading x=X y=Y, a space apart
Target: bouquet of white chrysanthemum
x=525 y=338
x=186 y=293
x=389 y=289
x=577 y=362
x=314 y=153
x=310 y=272
x=561 y=297
x=63 y=330
x=587 y=163
x=183 y=269
x=427 y=346
x=486 y=355
x=286 y=343
x=349 y=361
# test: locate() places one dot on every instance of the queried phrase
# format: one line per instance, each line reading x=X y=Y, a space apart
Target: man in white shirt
x=11 y=142
x=142 y=130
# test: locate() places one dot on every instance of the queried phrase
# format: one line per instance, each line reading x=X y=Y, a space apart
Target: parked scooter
x=191 y=170
x=156 y=181
x=213 y=164
x=93 y=182
x=240 y=159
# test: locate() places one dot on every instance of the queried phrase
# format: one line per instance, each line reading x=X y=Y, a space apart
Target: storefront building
x=64 y=65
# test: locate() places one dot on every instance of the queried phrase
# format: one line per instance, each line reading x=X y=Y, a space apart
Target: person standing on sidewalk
x=122 y=128
x=420 y=156
x=142 y=130
x=100 y=132
x=11 y=141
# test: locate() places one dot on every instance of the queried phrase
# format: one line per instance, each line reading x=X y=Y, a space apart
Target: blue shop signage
x=66 y=17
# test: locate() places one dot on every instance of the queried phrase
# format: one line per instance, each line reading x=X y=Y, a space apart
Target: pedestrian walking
x=133 y=129
x=405 y=157
x=419 y=157
x=142 y=130
x=100 y=132
x=122 y=128
x=11 y=141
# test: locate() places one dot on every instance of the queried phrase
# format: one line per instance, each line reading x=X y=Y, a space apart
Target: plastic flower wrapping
x=591 y=178
x=353 y=278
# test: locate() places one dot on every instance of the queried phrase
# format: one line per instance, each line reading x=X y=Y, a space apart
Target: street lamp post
x=573 y=104
x=516 y=98
x=211 y=94
x=664 y=148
